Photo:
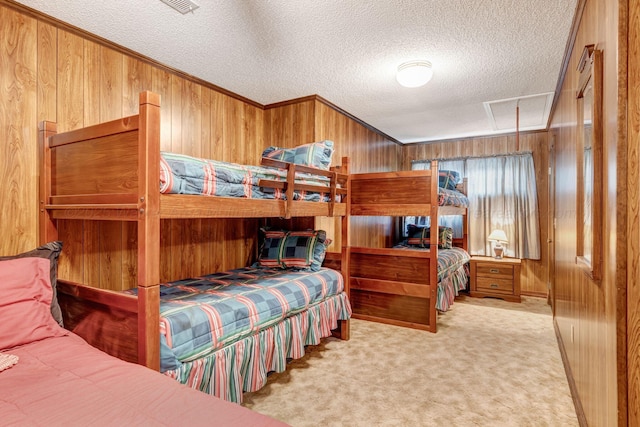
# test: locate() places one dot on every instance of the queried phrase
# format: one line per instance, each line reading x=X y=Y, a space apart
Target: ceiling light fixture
x=414 y=73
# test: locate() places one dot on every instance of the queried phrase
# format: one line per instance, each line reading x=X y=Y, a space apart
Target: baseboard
x=533 y=294
x=582 y=419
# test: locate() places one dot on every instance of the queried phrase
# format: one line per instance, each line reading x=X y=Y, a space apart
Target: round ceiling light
x=414 y=73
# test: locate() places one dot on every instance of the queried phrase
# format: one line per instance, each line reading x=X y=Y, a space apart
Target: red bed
x=65 y=381
x=50 y=376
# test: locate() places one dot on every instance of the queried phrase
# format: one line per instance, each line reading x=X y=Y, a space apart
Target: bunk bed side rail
x=107 y=320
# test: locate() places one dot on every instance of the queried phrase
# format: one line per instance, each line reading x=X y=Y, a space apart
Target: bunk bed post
x=345 y=325
x=465 y=218
x=291 y=183
x=433 y=247
x=149 y=231
x=47 y=230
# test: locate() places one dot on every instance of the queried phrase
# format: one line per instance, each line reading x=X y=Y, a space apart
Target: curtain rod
x=519 y=153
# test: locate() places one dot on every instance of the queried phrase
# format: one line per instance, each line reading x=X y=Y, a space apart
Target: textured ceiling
x=347 y=52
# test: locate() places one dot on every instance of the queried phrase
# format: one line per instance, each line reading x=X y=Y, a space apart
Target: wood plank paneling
x=534 y=273
x=632 y=297
x=310 y=119
x=50 y=72
x=368 y=152
x=81 y=81
x=71 y=66
x=590 y=315
x=47 y=50
x=290 y=125
x=18 y=77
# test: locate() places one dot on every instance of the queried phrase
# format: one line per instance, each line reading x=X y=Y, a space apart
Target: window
x=502 y=195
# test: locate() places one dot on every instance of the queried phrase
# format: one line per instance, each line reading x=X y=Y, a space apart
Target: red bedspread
x=64 y=381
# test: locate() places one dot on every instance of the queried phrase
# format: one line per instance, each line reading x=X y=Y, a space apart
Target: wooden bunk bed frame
x=76 y=183
x=392 y=285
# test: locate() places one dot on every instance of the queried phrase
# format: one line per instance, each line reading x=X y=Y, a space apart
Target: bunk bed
x=401 y=285
x=111 y=172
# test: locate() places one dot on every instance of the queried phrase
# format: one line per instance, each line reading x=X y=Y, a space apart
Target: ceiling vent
x=182 y=6
x=534 y=112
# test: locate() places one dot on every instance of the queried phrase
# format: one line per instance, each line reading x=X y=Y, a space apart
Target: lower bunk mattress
x=453 y=275
x=222 y=333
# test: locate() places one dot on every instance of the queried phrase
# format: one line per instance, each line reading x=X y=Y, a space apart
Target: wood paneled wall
x=534 y=273
x=633 y=219
x=18 y=105
x=314 y=119
x=590 y=315
x=58 y=73
x=94 y=83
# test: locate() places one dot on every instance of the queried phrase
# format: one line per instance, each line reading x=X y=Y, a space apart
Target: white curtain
x=453 y=221
x=502 y=195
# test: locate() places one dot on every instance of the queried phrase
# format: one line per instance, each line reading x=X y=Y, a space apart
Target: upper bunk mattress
x=181 y=174
x=454 y=198
x=201 y=315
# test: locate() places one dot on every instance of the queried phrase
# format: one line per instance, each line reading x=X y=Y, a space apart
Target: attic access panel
x=534 y=112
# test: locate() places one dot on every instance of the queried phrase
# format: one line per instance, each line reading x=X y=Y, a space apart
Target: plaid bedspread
x=452 y=198
x=450 y=260
x=453 y=275
x=180 y=174
x=201 y=315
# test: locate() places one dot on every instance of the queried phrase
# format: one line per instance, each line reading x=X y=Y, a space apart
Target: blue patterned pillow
x=320 y=250
x=316 y=154
x=421 y=236
x=270 y=251
x=448 y=179
x=298 y=249
x=293 y=249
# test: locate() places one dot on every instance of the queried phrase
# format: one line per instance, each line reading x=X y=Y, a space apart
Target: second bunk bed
x=221 y=332
x=407 y=285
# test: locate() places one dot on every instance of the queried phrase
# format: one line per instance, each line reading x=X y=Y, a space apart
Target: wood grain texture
x=591 y=312
x=368 y=151
x=632 y=297
x=64 y=68
x=535 y=274
x=18 y=105
x=310 y=119
x=91 y=315
x=47 y=82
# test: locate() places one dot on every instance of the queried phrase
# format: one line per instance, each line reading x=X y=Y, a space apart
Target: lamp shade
x=498 y=236
x=414 y=73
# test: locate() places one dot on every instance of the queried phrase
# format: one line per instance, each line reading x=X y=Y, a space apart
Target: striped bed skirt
x=243 y=365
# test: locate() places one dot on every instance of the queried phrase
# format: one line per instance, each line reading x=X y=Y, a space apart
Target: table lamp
x=499 y=237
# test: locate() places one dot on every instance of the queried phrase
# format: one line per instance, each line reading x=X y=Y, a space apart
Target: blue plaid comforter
x=448 y=197
x=181 y=174
x=201 y=315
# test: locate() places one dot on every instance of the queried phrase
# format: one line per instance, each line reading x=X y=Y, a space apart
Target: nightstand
x=492 y=277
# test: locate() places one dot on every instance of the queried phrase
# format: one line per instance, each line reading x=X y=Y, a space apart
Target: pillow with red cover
x=25 y=300
x=50 y=251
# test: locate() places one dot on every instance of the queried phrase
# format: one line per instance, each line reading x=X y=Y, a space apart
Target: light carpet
x=491 y=363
